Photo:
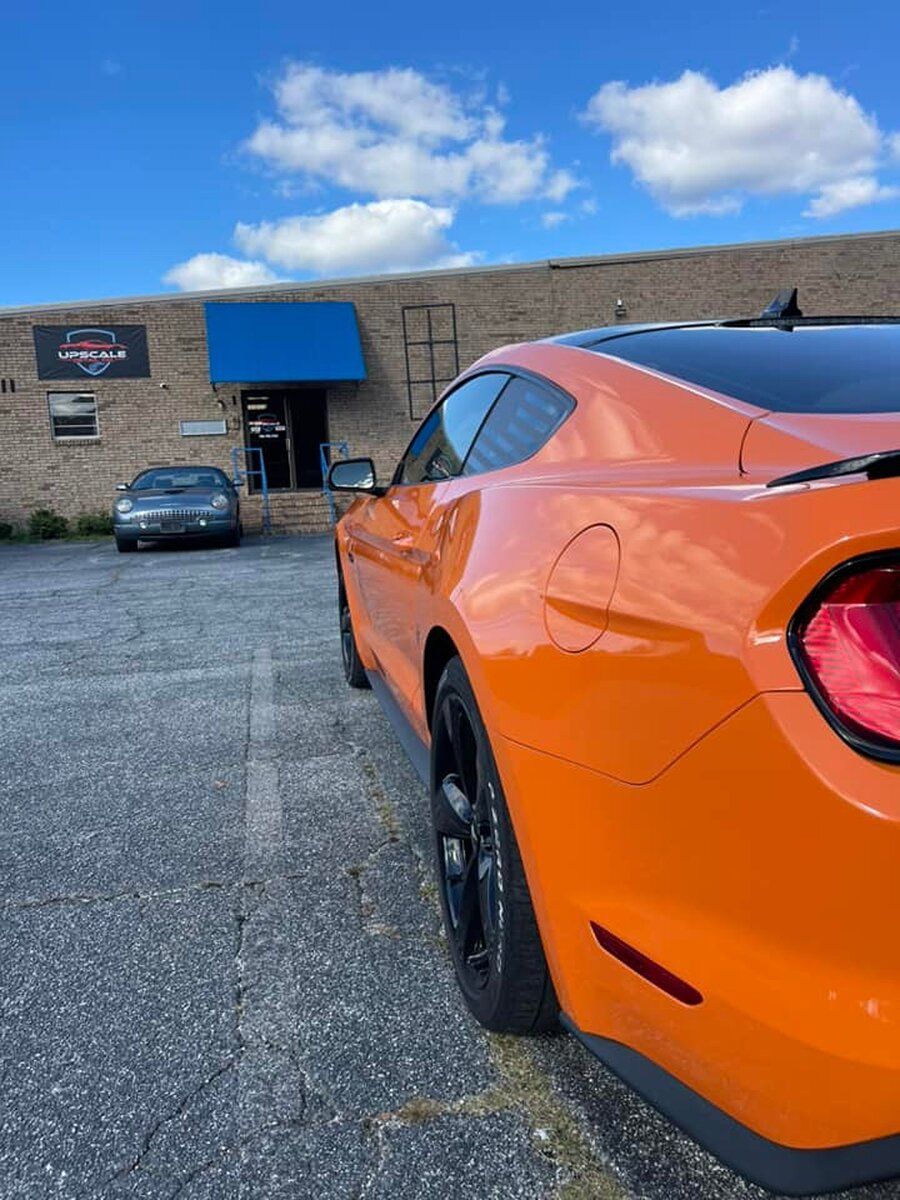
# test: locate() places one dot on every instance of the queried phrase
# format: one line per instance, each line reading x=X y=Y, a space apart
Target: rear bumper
x=760 y=869
x=780 y=1168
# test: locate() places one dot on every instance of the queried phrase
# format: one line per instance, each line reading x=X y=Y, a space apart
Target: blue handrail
x=240 y=474
x=325 y=459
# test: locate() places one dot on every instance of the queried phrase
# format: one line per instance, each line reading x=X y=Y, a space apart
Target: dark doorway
x=309 y=429
x=288 y=427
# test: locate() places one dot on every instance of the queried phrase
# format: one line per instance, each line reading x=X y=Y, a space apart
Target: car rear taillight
x=846 y=640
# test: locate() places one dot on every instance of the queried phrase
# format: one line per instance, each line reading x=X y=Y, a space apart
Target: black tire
x=354 y=671
x=125 y=547
x=488 y=915
x=232 y=539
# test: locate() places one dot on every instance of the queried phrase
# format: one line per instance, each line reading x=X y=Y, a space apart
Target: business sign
x=262 y=423
x=267 y=425
x=116 y=351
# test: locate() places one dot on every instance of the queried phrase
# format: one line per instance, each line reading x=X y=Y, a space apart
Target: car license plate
x=172 y=526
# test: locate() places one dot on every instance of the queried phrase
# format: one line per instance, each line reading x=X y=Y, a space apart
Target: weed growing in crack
x=524 y=1089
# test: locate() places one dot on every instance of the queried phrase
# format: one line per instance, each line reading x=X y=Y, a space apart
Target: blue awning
x=315 y=341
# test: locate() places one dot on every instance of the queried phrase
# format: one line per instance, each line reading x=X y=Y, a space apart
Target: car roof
x=786 y=364
x=587 y=339
x=182 y=467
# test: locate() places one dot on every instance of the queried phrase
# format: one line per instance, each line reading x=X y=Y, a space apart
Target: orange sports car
x=632 y=601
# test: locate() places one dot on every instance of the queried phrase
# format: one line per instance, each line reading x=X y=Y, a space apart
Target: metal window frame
x=432 y=379
x=78 y=437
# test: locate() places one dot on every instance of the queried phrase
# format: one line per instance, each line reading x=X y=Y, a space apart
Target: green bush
x=44 y=523
x=6 y=531
x=94 y=525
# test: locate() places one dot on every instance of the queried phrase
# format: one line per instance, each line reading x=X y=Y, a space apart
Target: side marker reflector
x=677 y=988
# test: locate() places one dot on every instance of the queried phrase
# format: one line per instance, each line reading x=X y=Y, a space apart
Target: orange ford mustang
x=632 y=600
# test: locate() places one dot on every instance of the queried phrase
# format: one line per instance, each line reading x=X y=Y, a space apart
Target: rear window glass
x=521 y=421
x=816 y=369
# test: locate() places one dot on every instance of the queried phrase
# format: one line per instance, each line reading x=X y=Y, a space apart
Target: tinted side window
x=520 y=423
x=440 y=446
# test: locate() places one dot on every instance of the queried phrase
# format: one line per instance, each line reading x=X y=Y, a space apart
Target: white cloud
x=395 y=132
x=550 y=220
x=849 y=193
x=699 y=148
x=384 y=235
x=208 y=272
x=559 y=185
x=399 y=99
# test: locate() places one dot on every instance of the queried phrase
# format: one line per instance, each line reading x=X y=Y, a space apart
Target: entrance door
x=308 y=423
x=265 y=428
x=289 y=427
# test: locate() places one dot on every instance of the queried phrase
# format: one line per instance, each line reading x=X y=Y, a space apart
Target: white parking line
x=271 y=1088
x=263 y=818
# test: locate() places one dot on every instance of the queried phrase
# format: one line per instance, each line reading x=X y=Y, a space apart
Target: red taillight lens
x=850 y=645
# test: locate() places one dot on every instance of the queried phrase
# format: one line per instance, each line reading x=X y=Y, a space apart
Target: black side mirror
x=121 y=487
x=354 y=475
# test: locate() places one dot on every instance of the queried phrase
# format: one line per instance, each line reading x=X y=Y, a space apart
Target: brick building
x=70 y=432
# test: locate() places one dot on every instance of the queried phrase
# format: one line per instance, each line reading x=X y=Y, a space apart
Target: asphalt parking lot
x=222 y=966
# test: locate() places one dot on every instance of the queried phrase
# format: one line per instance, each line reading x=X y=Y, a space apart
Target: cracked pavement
x=223 y=973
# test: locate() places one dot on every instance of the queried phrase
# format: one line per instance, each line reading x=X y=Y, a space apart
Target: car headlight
x=219 y=500
x=124 y=505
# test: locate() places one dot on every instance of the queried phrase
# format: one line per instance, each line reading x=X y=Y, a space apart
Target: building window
x=73 y=415
x=432 y=354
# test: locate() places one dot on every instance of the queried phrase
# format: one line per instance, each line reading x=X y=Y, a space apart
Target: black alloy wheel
x=488 y=915
x=466 y=844
x=354 y=671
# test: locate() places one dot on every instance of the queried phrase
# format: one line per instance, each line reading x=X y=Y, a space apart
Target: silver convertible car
x=177 y=502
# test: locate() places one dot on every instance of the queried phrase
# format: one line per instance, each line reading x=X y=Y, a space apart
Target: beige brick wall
x=139 y=418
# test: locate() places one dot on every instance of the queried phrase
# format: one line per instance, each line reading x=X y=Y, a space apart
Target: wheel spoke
x=452 y=810
x=480 y=961
x=486 y=894
x=452 y=715
x=471 y=760
x=467 y=922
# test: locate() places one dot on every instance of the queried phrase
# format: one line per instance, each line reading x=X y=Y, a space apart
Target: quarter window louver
x=524 y=417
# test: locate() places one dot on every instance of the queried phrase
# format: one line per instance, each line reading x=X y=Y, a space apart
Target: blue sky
x=150 y=147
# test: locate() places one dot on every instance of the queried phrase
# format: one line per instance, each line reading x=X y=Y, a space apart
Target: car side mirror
x=354 y=475
x=121 y=487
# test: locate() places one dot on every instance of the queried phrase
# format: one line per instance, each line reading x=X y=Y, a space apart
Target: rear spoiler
x=883 y=465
